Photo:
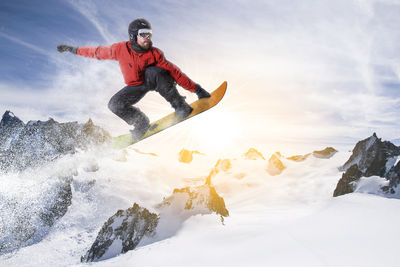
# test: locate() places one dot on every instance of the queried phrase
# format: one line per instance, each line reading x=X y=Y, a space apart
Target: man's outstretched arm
x=100 y=52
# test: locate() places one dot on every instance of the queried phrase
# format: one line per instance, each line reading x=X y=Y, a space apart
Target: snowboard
x=198 y=106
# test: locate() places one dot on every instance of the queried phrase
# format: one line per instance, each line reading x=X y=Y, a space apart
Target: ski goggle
x=145 y=33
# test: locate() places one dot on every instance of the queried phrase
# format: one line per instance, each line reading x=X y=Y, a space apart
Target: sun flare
x=216 y=129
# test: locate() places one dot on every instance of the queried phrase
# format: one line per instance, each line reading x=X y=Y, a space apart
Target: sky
x=298 y=71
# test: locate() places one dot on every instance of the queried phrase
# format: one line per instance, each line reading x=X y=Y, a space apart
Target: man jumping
x=144 y=68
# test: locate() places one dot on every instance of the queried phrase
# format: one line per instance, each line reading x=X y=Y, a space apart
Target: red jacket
x=133 y=64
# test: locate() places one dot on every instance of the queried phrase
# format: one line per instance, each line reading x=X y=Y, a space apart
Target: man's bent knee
x=158 y=78
x=114 y=105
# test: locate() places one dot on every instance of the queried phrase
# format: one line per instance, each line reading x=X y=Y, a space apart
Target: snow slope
x=289 y=219
x=354 y=230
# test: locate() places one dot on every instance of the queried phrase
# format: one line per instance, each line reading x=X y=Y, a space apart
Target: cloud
x=298 y=69
x=90 y=11
x=26 y=44
x=49 y=55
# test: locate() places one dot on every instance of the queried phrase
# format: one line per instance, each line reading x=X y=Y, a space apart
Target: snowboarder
x=144 y=68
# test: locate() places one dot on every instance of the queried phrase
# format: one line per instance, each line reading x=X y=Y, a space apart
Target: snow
x=113 y=250
x=289 y=219
x=391 y=162
x=371 y=185
x=370 y=142
x=346 y=231
x=356 y=161
x=6 y=145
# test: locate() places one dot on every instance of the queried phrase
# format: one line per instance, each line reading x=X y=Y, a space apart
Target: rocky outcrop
x=10 y=127
x=57 y=205
x=275 y=165
x=126 y=229
x=327 y=153
x=32 y=144
x=299 y=158
x=394 y=178
x=41 y=198
x=253 y=154
x=26 y=219
x=346 y=184
x=122 y=232
x=201 y=199
x=221 y=165
x=186 y=156
x=370 y=157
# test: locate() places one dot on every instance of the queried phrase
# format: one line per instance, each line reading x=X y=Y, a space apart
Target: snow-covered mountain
x=35 y=143
x=29 y=213
x=67 y=199
x=371 y=157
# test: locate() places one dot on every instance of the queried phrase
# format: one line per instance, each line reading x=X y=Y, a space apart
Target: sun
x=216 y=129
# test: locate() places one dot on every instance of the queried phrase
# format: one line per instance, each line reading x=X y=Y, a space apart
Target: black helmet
x=135 y=26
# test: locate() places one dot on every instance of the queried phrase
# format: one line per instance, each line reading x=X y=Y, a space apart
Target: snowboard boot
x=182 y=109
x=142 y=124
x=166 y=87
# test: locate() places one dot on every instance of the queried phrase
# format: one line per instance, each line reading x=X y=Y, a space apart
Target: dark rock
x=394 y=179
x=371 y=157
x=39 y=142
x=123 y=232
x=9 y=120
x=58 y=204
x=10 y=127
x=327 y=153
x=27 y=219
x=345 y=185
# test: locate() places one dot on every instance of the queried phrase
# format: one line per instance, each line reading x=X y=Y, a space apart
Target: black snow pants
x=157 y=79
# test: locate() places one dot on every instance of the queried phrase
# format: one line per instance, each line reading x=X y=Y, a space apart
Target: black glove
x=67 y=48
x=201 y=93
